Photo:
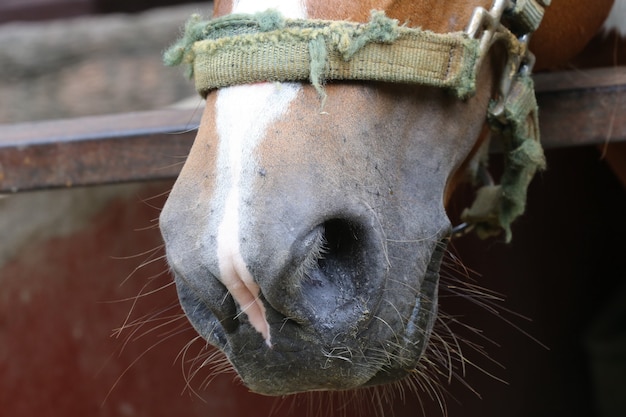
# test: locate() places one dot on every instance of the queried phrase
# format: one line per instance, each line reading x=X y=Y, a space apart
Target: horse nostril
x=342 y=251
x=332 y=277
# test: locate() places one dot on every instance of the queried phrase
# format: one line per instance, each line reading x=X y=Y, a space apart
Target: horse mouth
x=332 y=326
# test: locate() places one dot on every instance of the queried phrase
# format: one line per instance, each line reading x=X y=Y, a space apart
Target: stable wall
x=69 y=274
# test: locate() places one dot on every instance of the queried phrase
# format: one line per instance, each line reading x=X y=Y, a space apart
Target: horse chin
x=347 y=332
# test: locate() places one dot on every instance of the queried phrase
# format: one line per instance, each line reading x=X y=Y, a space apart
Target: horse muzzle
x=339 y=314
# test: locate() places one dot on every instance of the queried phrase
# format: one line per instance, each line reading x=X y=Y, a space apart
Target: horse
x=307 y=227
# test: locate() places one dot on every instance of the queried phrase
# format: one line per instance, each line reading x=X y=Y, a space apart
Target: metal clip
x=484 y=25
x=520 y=63
x=487 y=27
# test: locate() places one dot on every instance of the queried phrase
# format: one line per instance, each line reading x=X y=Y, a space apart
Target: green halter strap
x=242 y=49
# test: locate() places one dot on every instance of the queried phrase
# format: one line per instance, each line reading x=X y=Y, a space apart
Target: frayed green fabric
x=523 y=155
x=496 y=207
x=347 y=38
x=196 y=29
x=380 y=29
x=319 y=56
x=239 y=49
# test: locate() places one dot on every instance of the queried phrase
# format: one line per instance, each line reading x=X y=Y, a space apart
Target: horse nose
x=327 y=283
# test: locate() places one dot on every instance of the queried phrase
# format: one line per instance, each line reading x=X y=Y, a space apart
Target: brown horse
x=306 y=244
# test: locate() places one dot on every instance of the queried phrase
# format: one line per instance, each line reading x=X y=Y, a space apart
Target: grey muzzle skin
x=332 y=330
x=342 y=227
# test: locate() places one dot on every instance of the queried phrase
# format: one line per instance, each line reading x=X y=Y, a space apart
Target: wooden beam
x=95 y=150
x=576 y=108
x=582 y=107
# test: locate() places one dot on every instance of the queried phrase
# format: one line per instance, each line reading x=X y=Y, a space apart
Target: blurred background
x=78 y=264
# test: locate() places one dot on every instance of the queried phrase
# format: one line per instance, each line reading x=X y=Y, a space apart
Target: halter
x=241 y=49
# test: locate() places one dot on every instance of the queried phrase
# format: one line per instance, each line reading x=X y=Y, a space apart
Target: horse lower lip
x=419 y=325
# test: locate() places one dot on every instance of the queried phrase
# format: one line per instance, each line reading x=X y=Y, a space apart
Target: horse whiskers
x=473 y=330
x=207 y=356
x=150 y=259
x=443 y=367
x=435 y=358
x=446 y=355
x=382 y=358
x=163 y=339
x=149 y=252
x=219 y=365
x=466 y=287
x=474 y=294
x=141 y=294
x=411 y=385
x=188 y=376
x=380 y=398
x=444 y=358
x=158 y=196
x=154 y=225
x=445 y=320
x=145 y=294
x=173 y=164
x=422 y=382
x=456 y=270
x=148 y=319
x=404 y=284
x=139 y=324
x=484 y=298
x=456 y=264
x=393 y=332
x=163 y=323
x=443 y=361
x=340 y=403
x=448 y=370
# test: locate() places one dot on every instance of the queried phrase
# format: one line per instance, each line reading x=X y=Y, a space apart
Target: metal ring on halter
x=461 y=229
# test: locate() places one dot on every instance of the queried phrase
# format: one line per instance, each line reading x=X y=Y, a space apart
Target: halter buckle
x=486 y=26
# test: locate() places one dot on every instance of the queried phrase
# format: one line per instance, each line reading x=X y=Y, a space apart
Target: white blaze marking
x=617 y=18
x=243 y=115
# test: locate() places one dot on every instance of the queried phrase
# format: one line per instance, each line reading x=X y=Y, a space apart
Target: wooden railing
x=576 y=108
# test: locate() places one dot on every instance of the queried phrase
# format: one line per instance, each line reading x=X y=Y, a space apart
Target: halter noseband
x=241 y=49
